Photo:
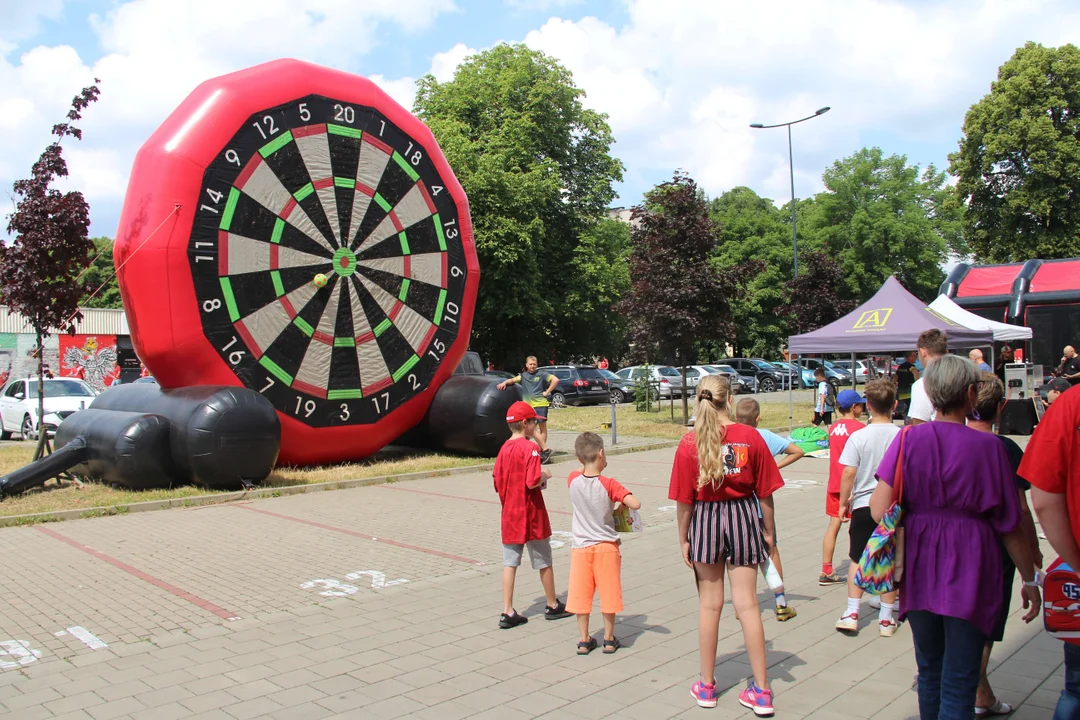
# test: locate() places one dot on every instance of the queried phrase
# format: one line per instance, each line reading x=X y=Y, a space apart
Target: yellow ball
x=320 y=280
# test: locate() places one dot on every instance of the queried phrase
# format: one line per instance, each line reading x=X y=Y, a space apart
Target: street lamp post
x=791 y=167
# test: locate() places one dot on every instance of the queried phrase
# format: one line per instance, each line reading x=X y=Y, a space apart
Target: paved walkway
x=382 y=602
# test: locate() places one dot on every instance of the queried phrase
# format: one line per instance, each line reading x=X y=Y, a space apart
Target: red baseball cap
x=519 y=411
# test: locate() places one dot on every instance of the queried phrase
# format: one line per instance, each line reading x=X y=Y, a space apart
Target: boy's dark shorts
x=825 y=417
x=541 y=413
x=861 y=527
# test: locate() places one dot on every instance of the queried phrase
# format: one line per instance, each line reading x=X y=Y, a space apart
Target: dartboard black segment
x=306 y=192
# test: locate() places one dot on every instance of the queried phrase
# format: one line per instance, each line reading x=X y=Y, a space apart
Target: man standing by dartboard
x=532 y=383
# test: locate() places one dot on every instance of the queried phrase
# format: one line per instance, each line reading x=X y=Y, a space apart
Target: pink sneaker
x=704 y=694
x=758 y=700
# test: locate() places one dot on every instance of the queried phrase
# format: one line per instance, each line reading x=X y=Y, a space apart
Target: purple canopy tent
x=891 y=320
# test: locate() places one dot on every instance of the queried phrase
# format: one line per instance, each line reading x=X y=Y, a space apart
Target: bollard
x=614 y=435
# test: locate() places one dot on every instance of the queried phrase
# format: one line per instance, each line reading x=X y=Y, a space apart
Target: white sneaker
x=887 y=627
x=848 y=623
x=875 y=602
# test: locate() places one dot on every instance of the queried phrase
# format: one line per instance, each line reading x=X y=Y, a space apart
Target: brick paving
x=382 y=601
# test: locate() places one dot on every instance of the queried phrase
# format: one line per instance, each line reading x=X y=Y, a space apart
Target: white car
x=666 y=381
x=19 y=405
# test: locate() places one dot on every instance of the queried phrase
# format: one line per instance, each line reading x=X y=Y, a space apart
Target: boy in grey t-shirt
x=860 y=459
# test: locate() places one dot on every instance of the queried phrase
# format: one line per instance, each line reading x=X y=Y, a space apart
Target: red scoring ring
x=164 y=193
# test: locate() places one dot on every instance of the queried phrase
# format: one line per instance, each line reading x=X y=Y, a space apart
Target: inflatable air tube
x=468 y=415
x=37 y=472
x=123 y=448
x=224 y=438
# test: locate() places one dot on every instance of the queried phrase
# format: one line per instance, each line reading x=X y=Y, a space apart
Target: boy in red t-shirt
x=850 y=404
x=520 y=481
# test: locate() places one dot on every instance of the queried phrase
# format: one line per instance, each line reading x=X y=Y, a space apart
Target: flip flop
x=998 y=708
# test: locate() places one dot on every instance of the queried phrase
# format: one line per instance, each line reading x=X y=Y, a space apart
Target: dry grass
x=660 y=424
x=54 y=496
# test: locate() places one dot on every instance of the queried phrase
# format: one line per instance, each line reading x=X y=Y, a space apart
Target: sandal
x=612 y=645
x=584 y=648
x=998 y=708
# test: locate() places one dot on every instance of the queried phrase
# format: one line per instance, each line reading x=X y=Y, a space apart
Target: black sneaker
x=545 y=456
x=508 y=621
x=556 y=613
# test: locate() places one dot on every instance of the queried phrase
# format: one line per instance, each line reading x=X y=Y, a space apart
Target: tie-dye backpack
x=875 y=571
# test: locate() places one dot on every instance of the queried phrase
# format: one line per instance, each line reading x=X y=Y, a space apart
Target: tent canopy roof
x=891 y=320
x=943 y=305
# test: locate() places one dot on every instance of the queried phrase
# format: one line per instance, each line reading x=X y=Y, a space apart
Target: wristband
x=1033 y=583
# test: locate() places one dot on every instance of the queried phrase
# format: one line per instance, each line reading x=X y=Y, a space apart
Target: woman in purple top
x=959 y=499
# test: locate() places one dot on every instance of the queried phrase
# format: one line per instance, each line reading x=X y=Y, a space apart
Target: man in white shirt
x=931 y=345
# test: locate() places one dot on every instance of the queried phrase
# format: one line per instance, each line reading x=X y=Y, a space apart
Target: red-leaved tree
x=677 y=296
x=39 y=270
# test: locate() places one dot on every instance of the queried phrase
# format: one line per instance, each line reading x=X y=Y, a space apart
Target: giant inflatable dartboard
x=292 y=229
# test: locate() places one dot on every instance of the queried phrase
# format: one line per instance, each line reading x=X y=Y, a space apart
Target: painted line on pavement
x=364 y=536
x=460 y=497
x=146 y=577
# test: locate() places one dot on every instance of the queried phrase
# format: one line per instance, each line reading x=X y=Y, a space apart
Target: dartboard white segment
x=414 y=327
x=373 y=371
x=425 y=267
x=386 y=301
x=266 y=324
x=314 y=148
x=259 y=182
x=389 y=226
x=414 y=207
x=314 y=373
x=238 y=255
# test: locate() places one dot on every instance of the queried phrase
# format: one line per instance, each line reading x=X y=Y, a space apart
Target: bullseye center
x=344 y=262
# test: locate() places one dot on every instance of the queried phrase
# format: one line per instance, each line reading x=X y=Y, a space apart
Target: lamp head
x=756 y=125
x=823 y=110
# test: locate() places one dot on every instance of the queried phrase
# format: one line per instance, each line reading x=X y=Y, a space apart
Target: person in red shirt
x=520 y=481
x=850 y=404
x=1052 y=465
x=719 y=467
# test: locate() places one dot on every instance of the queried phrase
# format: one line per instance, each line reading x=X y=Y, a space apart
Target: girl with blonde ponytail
x=719 y=467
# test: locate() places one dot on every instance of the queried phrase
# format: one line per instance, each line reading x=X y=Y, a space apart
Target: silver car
x=666 y=382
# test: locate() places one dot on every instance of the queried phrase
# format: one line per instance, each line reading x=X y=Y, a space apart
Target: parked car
x=739 y=384
x=146 y=379
x=862 y=369
x=835 y=375
x=694 y=373
x=805 y=378
x=578 y=385
x=19 y=405
x=769 y=377
x=621 y=390
x=666 y=382
x=499 y=375
x=470 y=364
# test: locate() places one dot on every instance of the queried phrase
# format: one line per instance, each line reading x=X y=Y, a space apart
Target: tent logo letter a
x=873 y=319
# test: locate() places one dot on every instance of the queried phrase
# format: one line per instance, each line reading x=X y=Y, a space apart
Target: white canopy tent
x=1003 y=332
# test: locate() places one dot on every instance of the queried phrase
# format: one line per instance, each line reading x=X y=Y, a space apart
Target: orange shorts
x=595 y=568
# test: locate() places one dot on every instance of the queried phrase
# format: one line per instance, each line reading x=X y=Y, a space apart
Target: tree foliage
x=678 y=296
x=813 y=299
x=881 y=217
x=1019 y=160
x=751 y=228
x=100 y=289
x=39 y=270
x=537 y=168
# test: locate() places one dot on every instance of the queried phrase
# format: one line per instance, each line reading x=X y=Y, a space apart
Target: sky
x=681 y=80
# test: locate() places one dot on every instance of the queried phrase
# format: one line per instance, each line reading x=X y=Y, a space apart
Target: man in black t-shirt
x=1070 y=366
x=905 y=377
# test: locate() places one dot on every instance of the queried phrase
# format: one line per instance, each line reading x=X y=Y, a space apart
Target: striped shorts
x=728 y=529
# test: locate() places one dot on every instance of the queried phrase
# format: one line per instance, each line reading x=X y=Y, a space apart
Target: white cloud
x=403 y=90
x=540 y=5
x=444 y=64
x=682 y=80
x=155 y=53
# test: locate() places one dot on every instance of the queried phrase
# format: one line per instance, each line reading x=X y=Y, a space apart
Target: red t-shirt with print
x=1052 y=457
x=749 y=469
x=839 y=432
x=524 y=515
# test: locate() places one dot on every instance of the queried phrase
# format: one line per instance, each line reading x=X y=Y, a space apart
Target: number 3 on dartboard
x=344 y=415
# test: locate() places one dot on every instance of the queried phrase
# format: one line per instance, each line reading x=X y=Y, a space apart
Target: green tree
x=752 y=228
x=537 y=167
x=1019 y=159
x=99 y=280
x=880 y=217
